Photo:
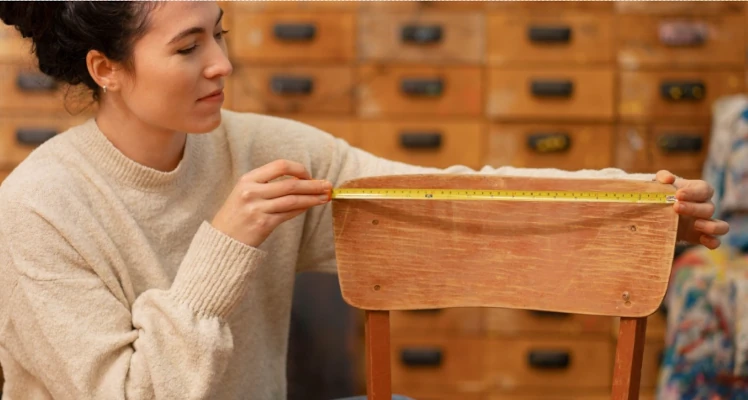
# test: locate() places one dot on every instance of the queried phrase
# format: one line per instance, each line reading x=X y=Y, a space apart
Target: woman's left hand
x=696 y=209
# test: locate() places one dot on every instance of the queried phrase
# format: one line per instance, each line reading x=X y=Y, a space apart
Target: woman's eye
x=187 y=51
x=221 y=34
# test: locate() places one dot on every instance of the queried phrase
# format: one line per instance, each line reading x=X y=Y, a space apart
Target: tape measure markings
x=504 y=195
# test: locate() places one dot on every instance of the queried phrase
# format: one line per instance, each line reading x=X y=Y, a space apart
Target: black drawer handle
x=422 y=87
x=680 y=143
x=549 y=314
x=552 y=88
x=421 y=34
x=34 y=136
x=294 y=32
x=549 y=142
x=291 y=85
x=35 y=82
x=421 y=357
x=683 y=90
x=549 y=359
x=549 y=34
x=421 y=140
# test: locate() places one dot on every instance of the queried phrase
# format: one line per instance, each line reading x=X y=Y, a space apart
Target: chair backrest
x=595 y=258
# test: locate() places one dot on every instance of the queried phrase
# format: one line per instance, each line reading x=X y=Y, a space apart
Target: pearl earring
x=104 y=87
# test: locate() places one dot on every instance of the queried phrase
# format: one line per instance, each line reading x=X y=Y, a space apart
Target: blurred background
x=570 y=85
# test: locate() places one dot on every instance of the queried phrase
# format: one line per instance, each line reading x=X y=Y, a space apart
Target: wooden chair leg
x=378 y=376
x=628 y=364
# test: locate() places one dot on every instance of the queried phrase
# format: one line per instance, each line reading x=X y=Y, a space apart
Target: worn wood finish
x=640 y=46
x=509 y=43
x=254 y=40
x=640 y=97
x=508 y=322
x=331 y=93
x=461 y=142
x=378 y=372
x=462 y=41
x=510 y=144
x=628 y=362
x=380 y=93
x=509 y=95
x=550 y=256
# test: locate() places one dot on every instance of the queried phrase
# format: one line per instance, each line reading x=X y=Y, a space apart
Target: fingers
x=664 y=176
x=294 y=186
x=277 y=169
x=696 y=210
x=710 y=241
x=290 y=203
x=712 y=227
x=698 y=191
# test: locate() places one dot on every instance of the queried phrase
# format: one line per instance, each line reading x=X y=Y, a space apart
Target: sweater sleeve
x=69 y=323
x=337 y=161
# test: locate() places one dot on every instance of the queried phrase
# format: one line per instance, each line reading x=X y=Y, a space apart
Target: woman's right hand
x=255 y=207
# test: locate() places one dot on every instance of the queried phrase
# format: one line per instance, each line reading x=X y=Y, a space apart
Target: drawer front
x=564 y=146
x=549 y=7
x=25 y=89
x=293 y=90
x=13 y=47
x=517 y=365
x=344 y=128
x=19 y=136
x=439 y=144
x=500 y=321
x=563 y=38
x=430 y=37
x=660 y=41
x=662 y=146
x=297 y=37
x=674 y=94
x=678 y=7
x=551 y=93
x=424 y=5
x=446 y=363
x=294 y=5
x=452 y=321
x=424 y=90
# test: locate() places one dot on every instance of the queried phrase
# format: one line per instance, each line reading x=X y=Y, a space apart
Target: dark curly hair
x=63 y=32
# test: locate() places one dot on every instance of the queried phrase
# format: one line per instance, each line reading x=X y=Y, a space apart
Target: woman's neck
x=145 y=144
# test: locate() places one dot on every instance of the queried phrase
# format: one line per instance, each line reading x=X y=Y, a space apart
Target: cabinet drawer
x=24 y=89
x=344 y=128
x=678 y=7
x=13 y=47
x=563 y=146
x=420 y=90
x=677 y=94
x=549 y=7
x=661 y=41
x=662 y=146
x=553 y=364
x=452 y=321
x=424 y=5
x=293 y=89
x=434 y=37
x=431 y=394
x=294 y=5
x=551 y=93
x=293 y=37
x=19 y=136
x=523 y=38
x=437 y=144
x=500 y=321
x=653 y=353
x=446 y=363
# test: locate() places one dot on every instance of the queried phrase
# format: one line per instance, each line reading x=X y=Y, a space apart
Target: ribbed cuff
x=215 y=272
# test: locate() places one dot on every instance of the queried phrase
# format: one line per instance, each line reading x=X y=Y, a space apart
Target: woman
x=137 y=261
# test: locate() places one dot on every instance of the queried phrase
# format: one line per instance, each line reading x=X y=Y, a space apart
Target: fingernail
x=699 y=224
x=682 y=207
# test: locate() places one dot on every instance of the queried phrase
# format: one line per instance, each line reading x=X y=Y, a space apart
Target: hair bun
x=31 y=18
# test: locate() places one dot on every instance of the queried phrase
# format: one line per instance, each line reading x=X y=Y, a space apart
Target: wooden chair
x=609 y=259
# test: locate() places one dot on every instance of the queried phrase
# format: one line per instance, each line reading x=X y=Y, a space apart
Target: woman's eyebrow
x=196 y=29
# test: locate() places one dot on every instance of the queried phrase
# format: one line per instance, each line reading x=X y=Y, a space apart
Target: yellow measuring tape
x=505 y=195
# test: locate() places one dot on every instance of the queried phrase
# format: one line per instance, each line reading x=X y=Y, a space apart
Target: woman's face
x=179 y=68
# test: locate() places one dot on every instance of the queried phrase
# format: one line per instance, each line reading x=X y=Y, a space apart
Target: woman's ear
x=103 y=71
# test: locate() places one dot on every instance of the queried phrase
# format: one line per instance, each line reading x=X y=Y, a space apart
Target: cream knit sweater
x=113 y=284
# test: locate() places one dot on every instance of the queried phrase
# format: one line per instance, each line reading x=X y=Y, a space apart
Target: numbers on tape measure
x=511 y=195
